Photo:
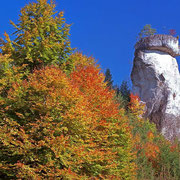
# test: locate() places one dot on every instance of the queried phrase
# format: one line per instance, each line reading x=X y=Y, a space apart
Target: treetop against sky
x=106 y=30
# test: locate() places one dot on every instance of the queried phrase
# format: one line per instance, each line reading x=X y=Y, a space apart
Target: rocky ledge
x=164 y=43
x=156 y=79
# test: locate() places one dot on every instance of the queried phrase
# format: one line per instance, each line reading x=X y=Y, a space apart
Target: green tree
x=123 y=94
x=41 y=37
x=146 y=31
x=124 y=90
x=108 y=78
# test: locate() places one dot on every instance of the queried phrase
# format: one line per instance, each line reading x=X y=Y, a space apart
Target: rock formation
x=156 y=79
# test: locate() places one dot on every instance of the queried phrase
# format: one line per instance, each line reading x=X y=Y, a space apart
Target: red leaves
x=19 y=164
x=105 y=118
x=91 y=83
x=150 y=136
x=174 y=147
x=172 y=32
x=71 y=123
x=151 y=150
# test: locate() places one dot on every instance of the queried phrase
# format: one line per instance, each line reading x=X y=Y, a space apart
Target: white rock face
x=156 y=79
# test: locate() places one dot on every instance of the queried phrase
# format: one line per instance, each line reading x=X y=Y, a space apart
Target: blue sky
x=106 y=29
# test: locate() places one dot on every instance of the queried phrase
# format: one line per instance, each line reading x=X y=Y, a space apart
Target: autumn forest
x=60 y=116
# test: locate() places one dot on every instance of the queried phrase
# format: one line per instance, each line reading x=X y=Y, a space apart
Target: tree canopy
x=59 y=118
x=41 y=37
x=147 y=30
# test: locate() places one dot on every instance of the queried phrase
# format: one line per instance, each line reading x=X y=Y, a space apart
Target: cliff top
x=160 y=42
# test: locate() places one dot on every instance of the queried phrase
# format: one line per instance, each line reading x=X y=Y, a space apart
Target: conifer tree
x=124 y=90
x=41 y=37
x=108 y=78
x=122 y=94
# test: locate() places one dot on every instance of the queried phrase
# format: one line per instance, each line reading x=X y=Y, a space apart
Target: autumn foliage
x=59 y=126
x=156 y=157
x=58 y=117
x=42 y=37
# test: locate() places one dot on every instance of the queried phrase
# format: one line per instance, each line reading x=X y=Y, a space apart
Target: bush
x=157 y=158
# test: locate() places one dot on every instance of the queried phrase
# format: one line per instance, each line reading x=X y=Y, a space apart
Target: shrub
x=157 y=158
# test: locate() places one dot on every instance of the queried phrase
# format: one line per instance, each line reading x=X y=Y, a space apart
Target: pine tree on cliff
x=147 y=30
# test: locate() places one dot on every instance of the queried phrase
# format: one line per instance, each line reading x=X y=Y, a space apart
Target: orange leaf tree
x=109 y=130
x=59 y=127
x=56 y=125
x=155 y=158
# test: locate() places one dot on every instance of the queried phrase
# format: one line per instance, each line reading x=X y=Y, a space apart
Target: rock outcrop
x=156 y=79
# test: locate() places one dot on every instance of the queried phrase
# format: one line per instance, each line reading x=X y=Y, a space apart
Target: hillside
x=59 y=119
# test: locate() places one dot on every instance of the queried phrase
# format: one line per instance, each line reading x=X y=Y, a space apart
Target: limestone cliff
x=156 y=79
